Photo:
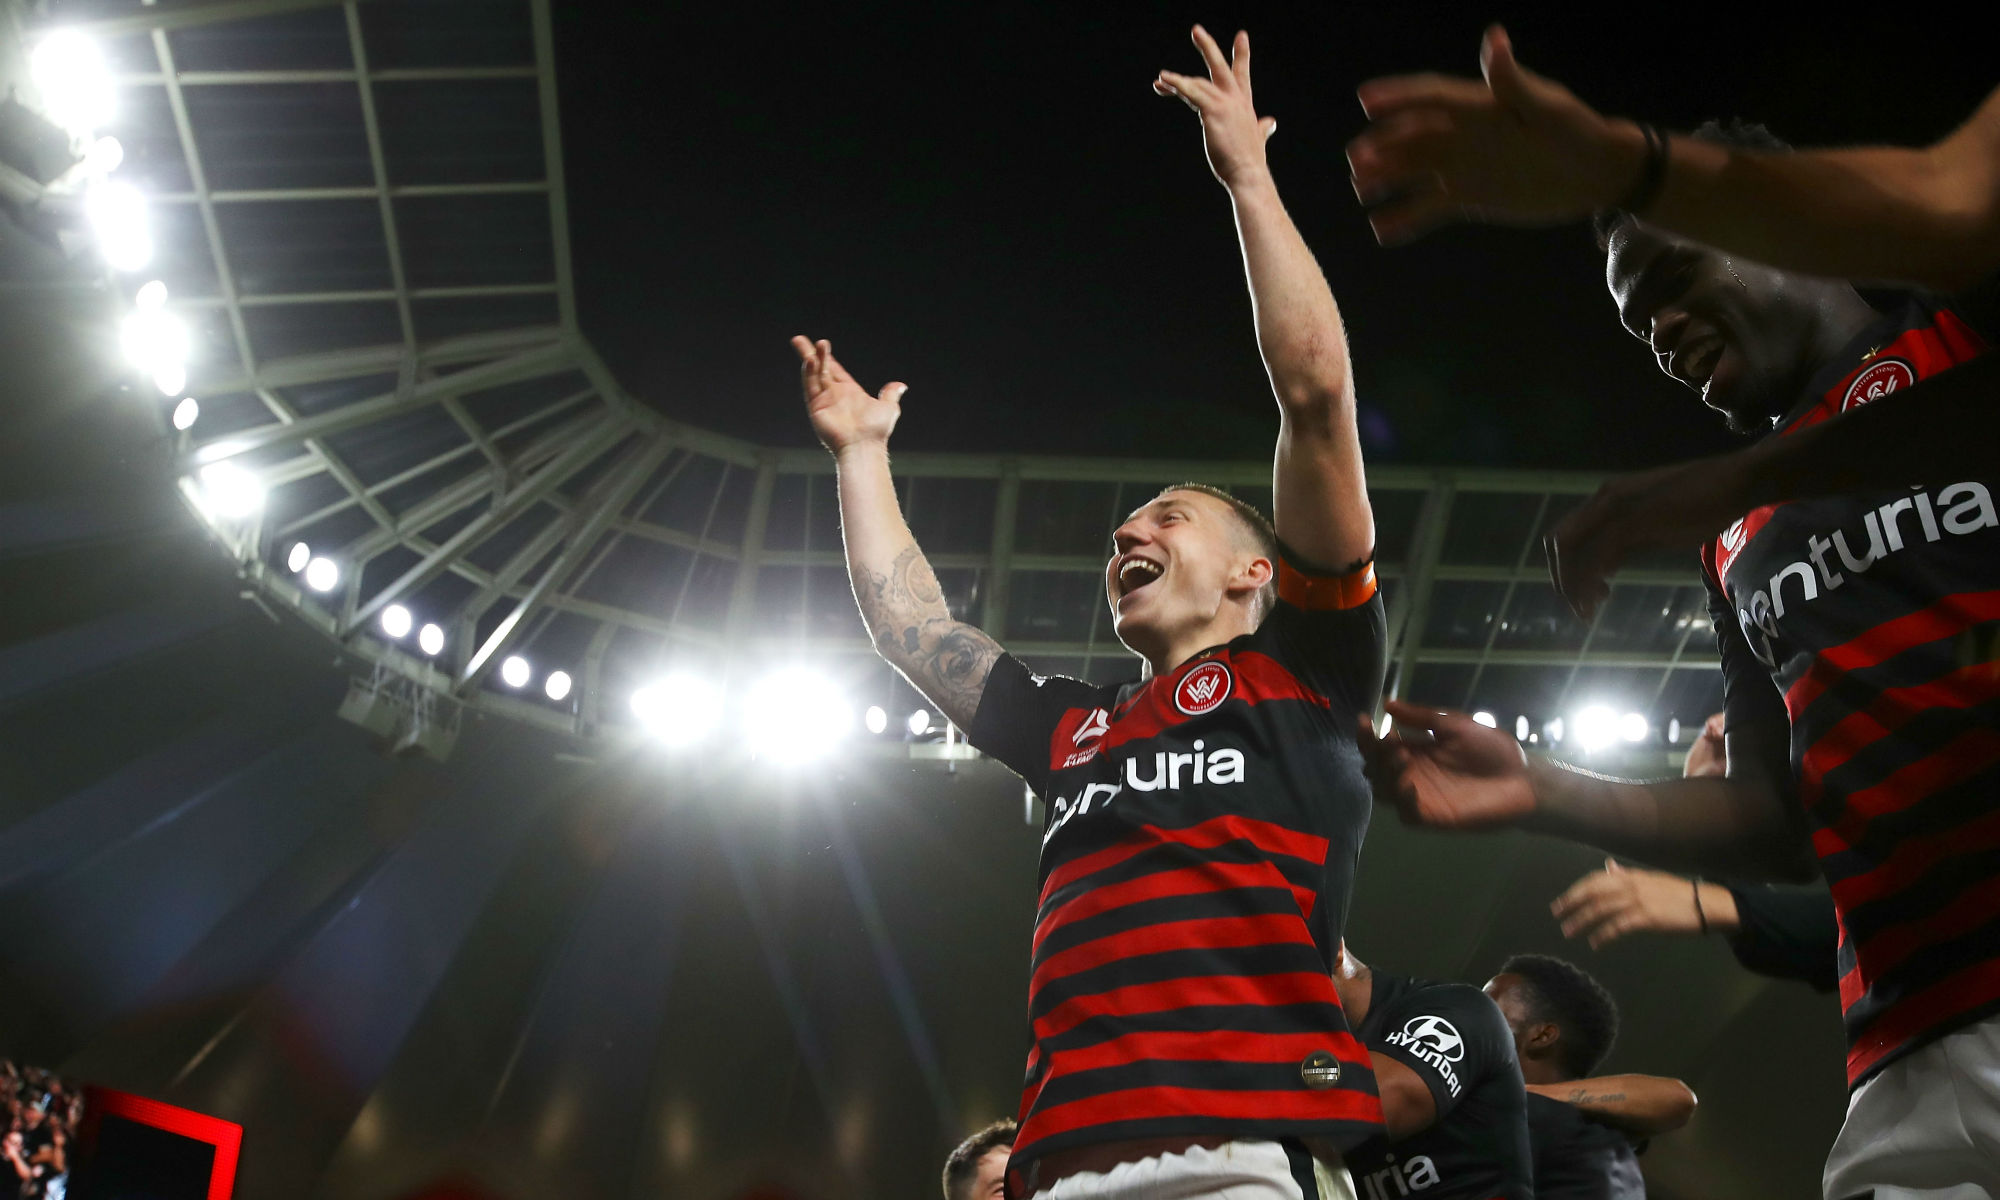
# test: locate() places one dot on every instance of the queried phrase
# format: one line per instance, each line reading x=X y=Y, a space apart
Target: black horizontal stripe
x=1210 y=1074
x=1237 y=902
x=1941 y=886
x=1918 y=738
x=1172 y=965
x=1172 y=856
x=1928 y=966
x=1852 y=691
x=1267 y=1019
x=1947 y=808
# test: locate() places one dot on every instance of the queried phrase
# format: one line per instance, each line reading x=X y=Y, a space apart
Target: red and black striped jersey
x=1876 y=616
x=1198 y=855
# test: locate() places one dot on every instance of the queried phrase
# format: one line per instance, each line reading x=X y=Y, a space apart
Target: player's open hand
x=1667 y=508
x=1606 y=905
x=1231 y=130
x=843 y=414
x=1443 y=770
x=1515 y=148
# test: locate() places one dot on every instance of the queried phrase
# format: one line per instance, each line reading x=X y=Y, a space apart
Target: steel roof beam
x=332 y=365
x=379 y=295
x=552 y=161
x=162 y=18
x=314 y=75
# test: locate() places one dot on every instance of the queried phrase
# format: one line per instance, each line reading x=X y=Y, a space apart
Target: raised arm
x=904 y=608
x=1319 y=494
x=1517 y=148
x=1641 y=1105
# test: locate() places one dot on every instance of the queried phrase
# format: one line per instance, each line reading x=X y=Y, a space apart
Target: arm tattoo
x=912 y=626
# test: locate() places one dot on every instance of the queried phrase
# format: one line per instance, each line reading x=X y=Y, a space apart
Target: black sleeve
x=1019 y=713
x=1330 y=630
x=1979 y=307
x=1754 y=710
x=1428 y=1024
x=1788 y=933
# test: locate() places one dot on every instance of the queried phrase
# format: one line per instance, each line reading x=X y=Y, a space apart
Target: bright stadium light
x=75 y=82
x=154 y=341
x=1553 y=731
x=1674 y=731
x=430 y=639
x=105 y=155
x=151 y=294
x=557 y=685
x=117 y=214
x=228 y=490
x=322 y=574
x=876 y=718
x=515 y=672
x=1633 y=727
x=297 y=557
x=1595 y=728
x=1487 y=719
x=1521 y=729
x=396 y=620
x=680 y=710
x=920 y=722
x=795 y=715
x=172 y=380
x=186 y=413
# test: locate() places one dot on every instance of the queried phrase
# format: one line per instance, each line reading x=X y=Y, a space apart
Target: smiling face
x=1735 y=331
x=1185 y=572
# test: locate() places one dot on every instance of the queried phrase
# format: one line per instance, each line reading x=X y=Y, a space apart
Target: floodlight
x=920 y=722
x=186 y=413
x=151 y=294
x=154 y=340
x=76 y=87
x=1595 y=727
x=1487 y=719
x=515 y=671
x=875 y=719
x=1674 y=731
x=557 y=685
x=172 y=380
x=1521 y=730
x=680 y=710
x=104 y=156
x=117 y=213
x=1553 y=731
x=796 y=715
x=430 y=639
x=322 y=574
x=1633 y=727
x=396 y=620
x=228 y=490
x=297 y=557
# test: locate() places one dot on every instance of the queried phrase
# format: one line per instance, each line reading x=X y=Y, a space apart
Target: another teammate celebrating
x=1203 y=824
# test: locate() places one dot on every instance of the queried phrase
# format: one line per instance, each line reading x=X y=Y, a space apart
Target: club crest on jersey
x=1203 y=689
x=1882 y=377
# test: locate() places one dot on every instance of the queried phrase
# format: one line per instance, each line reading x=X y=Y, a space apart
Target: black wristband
x=1651 y=175
x=1699 y=916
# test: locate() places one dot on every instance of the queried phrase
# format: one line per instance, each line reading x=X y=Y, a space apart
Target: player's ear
x=1253 y=575
x=1544 y=1035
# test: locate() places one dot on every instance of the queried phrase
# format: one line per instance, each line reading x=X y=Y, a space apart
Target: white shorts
x=1242 y=1170
x=1927 y=1126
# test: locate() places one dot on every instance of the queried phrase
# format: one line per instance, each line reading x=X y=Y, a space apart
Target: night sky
x=989 y=203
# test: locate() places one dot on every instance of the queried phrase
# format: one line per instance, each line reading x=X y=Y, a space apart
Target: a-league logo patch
x=1882 y=377
x=1203 y=688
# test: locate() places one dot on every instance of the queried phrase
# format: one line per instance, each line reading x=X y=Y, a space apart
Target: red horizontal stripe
x=1912 y=858
x=1193 y=880
x=1956 y=761
x=1323 y=593
x=1209 y=834
x=1292 y=1104
x=1851 y=988
x=1254 y=679
x=1291 y=987
x=1890 y=947
x=1219 y=1045
x=1201 y=933
x=1890 y=711
x=1947 y=616
x=1976 y=985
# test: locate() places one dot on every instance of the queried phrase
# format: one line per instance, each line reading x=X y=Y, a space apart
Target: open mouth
x=1136 y=573
x=1695 y=364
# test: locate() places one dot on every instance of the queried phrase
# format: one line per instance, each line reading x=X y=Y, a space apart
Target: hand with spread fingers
x=1607 y=905
x=1668 y=508
x=1515 y=149
x=843 y=413
x=1231 y=130
x=1443 y=770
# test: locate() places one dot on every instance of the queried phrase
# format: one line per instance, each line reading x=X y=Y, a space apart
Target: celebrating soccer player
x=1203 y=824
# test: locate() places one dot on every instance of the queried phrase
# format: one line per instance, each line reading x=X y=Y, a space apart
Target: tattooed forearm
x=912 y=626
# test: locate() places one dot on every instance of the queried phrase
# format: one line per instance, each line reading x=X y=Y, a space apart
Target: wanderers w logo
x=1201 y=689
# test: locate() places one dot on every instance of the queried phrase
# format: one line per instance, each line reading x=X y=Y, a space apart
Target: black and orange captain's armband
x=1321 y=593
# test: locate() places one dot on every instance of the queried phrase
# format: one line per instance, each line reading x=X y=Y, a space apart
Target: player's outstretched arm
x=912 y=627
x=1641 y=1105
x=1442 y=770
x=1517 y=148
x=1607 y=905
x=1320 y=497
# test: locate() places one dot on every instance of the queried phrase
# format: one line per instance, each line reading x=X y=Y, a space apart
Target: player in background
x=977 y=1168
x=1202 y=824
x=1586 y=1131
